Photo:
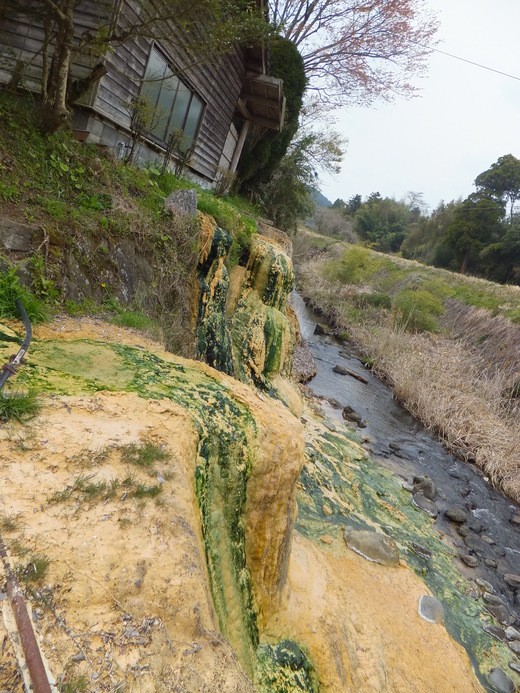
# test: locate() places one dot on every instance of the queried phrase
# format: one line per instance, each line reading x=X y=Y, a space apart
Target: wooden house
x=208 y=100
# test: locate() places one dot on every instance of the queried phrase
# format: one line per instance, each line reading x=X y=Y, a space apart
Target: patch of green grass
x=143 y=455
x=136 y=321
x=227 y=217
x=34 y=571
x=86 y=488
x=18 y=406
x=357 y=265
x=143 y=491
x=75 y=685
x=420 y=310
x=10 y=523
x=11 y=289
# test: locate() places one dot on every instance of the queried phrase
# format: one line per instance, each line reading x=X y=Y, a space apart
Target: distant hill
x=320 y=200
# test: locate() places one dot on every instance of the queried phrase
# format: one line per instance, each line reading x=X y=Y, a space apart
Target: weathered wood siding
x=217 y=80
x=22 y=37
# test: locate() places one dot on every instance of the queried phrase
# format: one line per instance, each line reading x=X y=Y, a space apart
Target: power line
x=470 y=62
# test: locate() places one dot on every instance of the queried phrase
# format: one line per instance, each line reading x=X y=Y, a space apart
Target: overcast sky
x=465 y=118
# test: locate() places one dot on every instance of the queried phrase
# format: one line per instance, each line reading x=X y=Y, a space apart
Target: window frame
x=182 y=84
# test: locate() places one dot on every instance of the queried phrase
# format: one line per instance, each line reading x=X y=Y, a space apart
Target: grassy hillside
x=84 y=203
x=449 y=345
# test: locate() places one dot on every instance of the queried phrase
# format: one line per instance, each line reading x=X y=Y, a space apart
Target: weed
x=10 y=523
x=42 y=286
x=19 y=549
x=9 y=193
x=34 y=571
x=11 y=289
x=84 y=307
x=85 y=488
x=74 y=685
x=420 y=310
x=19 y=406
x=142 y=491
x=143 y=455
x=136 y=321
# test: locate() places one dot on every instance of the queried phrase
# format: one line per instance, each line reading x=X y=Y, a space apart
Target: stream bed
x=485 y=540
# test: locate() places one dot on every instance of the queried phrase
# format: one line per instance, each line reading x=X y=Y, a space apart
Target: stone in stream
x=457 y=515
x=512 y=580
x=472 y=542
x=350 y=414
x=495 y=631
x=334 y=403
x=515 y=647
x=490 y=563
x=493 y=599
x=515 y=520
x=512 y=633
x=375 y=547
x=515 y=667
x=424 y=485
x=462 y=530
x=345 y=354
x=485 y=585
x=469 y=560
x=341 y=370
x=501 y=681
x=322 y=329
x=501 y=613
x=424 y=504
x=430 y=609
x=475 y=526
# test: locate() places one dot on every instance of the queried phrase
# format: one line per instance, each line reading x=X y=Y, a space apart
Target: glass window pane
x=164 y=107
x=180 y=108
x=153 y=78
x=193 y=119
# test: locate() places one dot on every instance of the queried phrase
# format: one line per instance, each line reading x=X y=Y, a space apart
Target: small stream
x=398 y=442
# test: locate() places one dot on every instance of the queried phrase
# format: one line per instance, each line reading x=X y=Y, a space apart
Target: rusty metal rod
x=31 y=650
x=10 y=368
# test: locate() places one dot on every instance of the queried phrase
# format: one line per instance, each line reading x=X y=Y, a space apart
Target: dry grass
x=458 y=385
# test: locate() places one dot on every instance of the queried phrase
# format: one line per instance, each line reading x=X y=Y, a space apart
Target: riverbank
x=452 y=361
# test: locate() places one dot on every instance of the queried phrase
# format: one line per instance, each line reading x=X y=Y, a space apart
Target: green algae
x=284 y=668
x=270 y=274
x=226 y=431
x=254 y=344
x=213 y=339
x=364 y=495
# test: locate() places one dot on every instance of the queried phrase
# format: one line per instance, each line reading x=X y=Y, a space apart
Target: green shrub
x=419 y=310
x=11 y=289
x=356 y=265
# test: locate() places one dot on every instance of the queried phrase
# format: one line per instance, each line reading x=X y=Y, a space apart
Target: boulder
x=16 y=236
x=182 y=202
x=430 y=609
x=375 y=547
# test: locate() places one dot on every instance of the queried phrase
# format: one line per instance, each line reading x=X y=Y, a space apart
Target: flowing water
x=397 y=441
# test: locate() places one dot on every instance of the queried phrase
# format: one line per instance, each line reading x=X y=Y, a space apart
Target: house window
x=175 y=107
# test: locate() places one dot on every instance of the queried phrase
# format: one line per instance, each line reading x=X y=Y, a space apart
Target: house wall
x=216 y=79
x=21 y=38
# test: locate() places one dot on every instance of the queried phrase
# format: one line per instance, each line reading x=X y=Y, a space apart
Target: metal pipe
x=10 y=368
x=31 y=650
